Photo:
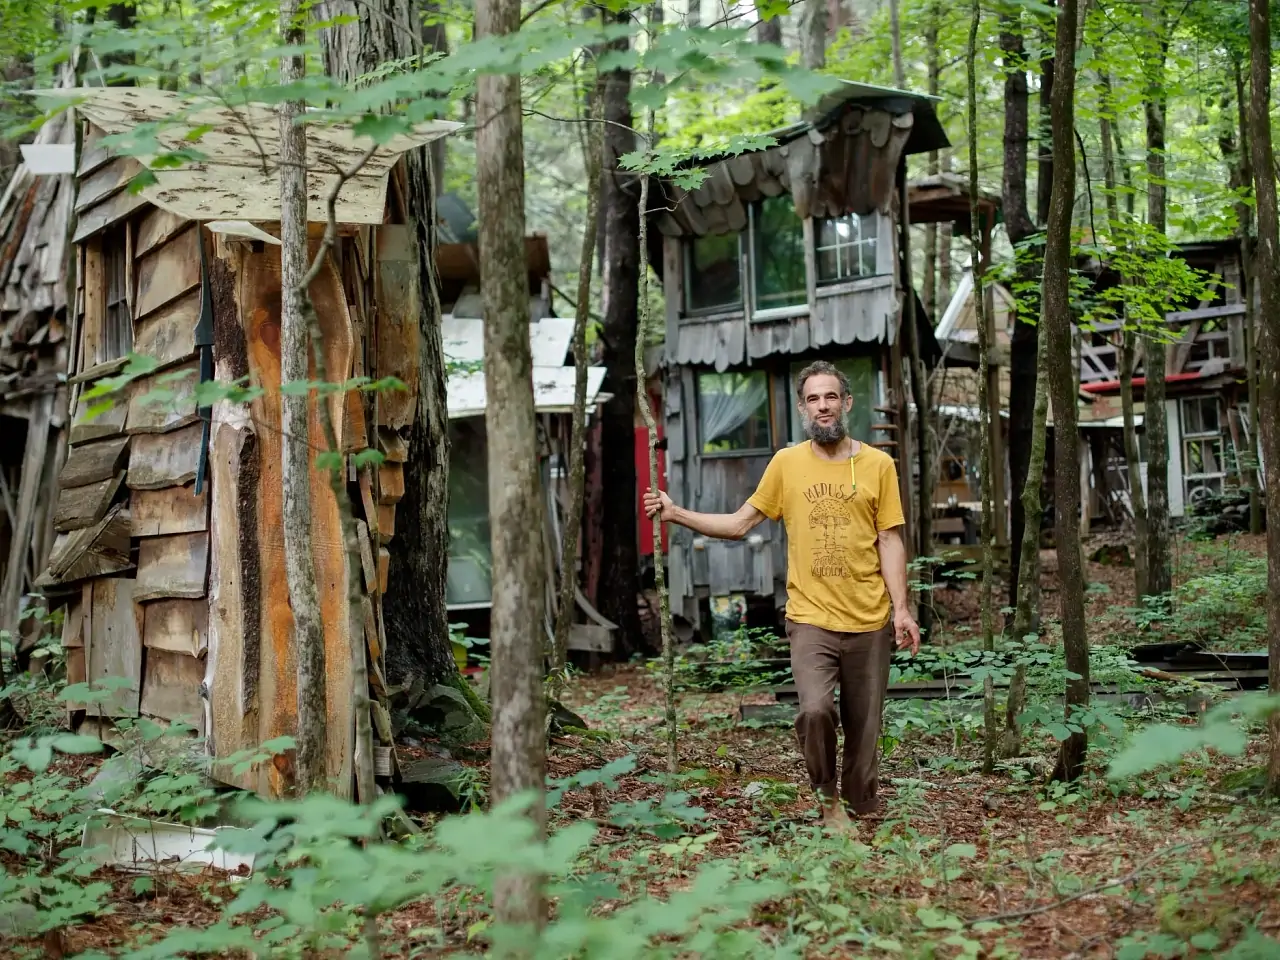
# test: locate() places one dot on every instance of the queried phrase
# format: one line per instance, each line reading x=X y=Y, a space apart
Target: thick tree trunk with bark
x=295 y=459
x=1056 y=318
x=518 y=753
x=769 y=31
x=1155 y=421
x=895 y=41
x=933 y=68
x=1044 y=129
x=813 y=34
x=419 y=652
x=620 y=576
x=1023 y=346
x=1267 y=273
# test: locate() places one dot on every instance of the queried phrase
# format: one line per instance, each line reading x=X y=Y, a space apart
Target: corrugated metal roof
x=238 y=179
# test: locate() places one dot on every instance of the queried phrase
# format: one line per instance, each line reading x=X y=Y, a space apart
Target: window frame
x=686 y=254
x=865 y=238
x=1188 y=438
x=770 y=424
x=806 y=241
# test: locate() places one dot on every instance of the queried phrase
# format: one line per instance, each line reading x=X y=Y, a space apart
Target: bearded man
x=839 y=501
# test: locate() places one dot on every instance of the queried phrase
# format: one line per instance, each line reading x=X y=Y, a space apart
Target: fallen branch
x=1088 y=892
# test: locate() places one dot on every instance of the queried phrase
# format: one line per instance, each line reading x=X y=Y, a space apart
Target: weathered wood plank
x=105 y=181
x=387 y=521
x=157 y=227
x=115 y=646
x=80 y=507
x=167 y=273
x=259 y=292
x=92 y=153
x=75 y=625
x=104 y=214
x=95 y=304
x=92 y=552
x=169 y=334
x=393 y=446
x=107 y=423
x=163 y=402
x=160 y=460
x=356 y=433
x=77 y=671
x=94 y=462
x=107 y=368
x=397 y=324
x=171 y=687
x=168 y=510
x=384 y=569
x=180 y=626
x=366 y=558
x=390 y=484
x=172 y=566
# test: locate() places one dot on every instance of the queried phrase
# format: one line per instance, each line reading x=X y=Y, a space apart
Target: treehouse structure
x=35 y=218
x=783 y=256
x=170 y=539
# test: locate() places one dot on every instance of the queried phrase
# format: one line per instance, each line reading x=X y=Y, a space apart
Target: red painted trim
x=1107 y=386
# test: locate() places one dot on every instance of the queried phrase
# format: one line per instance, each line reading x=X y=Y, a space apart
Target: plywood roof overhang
x=238 y=177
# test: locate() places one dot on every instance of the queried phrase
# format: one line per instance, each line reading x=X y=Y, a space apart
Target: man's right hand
x=658 y=505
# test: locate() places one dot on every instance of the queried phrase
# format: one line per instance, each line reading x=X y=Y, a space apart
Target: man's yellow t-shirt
x=833 y=514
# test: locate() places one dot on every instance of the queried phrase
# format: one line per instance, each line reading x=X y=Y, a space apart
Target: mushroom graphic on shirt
x=829 y=518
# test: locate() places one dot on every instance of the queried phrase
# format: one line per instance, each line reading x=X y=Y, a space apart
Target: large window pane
x=846 y=248
x=778 y=254
x=733 y=412
x=470 y=558
x=714 y=275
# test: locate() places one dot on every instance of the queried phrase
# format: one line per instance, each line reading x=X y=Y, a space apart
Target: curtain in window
x=727 y=401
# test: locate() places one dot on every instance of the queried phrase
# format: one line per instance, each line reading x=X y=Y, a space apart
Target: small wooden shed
x=170 y=540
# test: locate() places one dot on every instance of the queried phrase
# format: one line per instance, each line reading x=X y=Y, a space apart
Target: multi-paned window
x=774 y=242
x=733 y=412
x=846 y=248
x=1204 y=468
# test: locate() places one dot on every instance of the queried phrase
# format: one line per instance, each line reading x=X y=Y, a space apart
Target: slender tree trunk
x=1267 y=272
x=1044 y=130
x=1155 y=420
x=769 y=31
x=933 y=66
x=1027 y=614
x=419 y=651
x=646 y=411
x=895 y=41
x=295 y=460
x=592 y=144
x=976 y=229
x=620 y=578
x=515 y=502
x=1023 y=346
x=1244 y=214
x=1062 y=388
x=813 y=35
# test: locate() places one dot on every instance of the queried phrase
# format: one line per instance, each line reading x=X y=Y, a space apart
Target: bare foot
x=835 y=819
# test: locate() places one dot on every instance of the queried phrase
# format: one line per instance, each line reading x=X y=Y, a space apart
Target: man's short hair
x=821 y=368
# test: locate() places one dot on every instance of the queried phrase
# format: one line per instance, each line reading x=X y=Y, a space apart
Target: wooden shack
x=782 y=256
x=170 y=538
x=35 y=216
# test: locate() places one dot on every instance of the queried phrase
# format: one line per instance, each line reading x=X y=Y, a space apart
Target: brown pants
x=859 y=662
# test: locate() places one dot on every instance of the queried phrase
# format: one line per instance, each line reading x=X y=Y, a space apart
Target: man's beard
x=824 y=434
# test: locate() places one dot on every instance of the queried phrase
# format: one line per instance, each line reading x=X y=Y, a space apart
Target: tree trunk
x=1056 y=318
x=813 y=34
x=1155 y=421
x=929 y=283
x=769 y=31
x=1267 y=273
x=419 y=651
x=295 y=459
x=1044 y=130
x=1128 y=345
x=1023 y=346
x=976 y=230
x=620 y=578
x=517 y=760
x=895 y=41
x=592 y=144
x=1244 y=214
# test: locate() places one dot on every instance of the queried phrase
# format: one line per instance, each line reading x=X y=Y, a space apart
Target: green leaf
x=145 y=178
x=380 y=127
x=368 y=458
x=143 y=885
x=329 y=460
x=76 y=744
x=966 y=850
x=1208 y=940
x=938 y=919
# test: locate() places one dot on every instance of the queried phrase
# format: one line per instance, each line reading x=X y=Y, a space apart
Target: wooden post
x=999 y=506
